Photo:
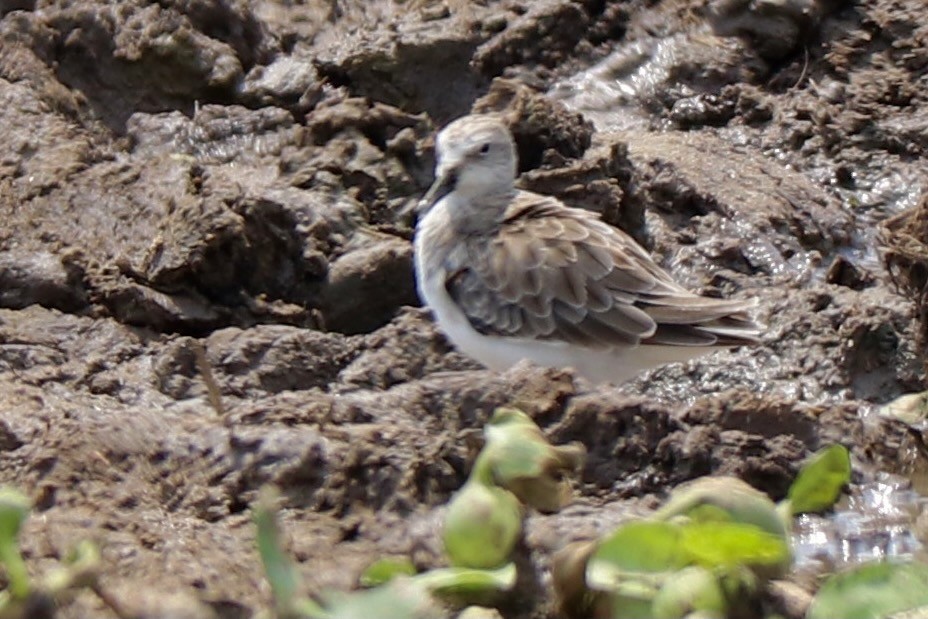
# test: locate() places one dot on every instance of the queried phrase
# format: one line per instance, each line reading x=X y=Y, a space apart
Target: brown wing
x=558 y=273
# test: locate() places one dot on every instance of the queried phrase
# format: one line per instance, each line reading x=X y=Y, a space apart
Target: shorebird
x=512 y=275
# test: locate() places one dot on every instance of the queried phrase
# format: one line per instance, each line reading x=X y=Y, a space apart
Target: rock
x=422 y=69
x=40 y=278
x=537 y=123
x=544 y=34
x=367 y=285
x=739 y=195
x=287 y=82
x=151 y=57
x=774 y=27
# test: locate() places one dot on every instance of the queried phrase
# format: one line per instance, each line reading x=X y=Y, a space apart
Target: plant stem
x=16 y=570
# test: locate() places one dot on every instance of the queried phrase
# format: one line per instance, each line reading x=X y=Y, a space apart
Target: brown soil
x=230 y=176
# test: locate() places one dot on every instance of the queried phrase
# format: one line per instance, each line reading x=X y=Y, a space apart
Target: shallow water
x=610 y=92
x=876 y=522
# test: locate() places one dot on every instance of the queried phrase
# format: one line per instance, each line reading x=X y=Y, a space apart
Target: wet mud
x=230 y=179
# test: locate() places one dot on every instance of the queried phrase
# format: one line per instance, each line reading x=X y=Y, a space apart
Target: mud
x=231 y=177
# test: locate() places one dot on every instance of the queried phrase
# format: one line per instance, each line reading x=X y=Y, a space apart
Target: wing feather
x=552 y=272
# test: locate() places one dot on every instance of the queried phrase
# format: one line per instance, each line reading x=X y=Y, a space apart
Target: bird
x=511 y=275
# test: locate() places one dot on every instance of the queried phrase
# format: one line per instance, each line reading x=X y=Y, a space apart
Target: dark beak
x=442 y=186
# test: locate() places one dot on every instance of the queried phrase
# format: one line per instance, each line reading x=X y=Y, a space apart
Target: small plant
x=874 y=591
x=820 y=481
x=397 y=599
x=279 y=570
x=14 y=509
x=516 y=469
x=517 y=457
x=397 y=591
x=708 y=551
x=482 y=525
x=80 y=569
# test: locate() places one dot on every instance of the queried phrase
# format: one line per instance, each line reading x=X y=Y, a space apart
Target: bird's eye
x=485 y=149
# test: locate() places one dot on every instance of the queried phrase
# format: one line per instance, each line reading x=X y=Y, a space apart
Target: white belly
x=499 y=353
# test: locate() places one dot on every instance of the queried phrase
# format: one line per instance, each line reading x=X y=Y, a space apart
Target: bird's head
x=475 y=159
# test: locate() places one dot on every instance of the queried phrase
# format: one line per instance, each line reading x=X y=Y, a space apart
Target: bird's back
x=550 y=272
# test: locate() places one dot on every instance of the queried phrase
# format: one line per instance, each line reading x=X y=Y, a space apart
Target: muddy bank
x=231 y=176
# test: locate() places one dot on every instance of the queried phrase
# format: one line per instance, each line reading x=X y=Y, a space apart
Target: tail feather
x=688 y=310
x=719 y=322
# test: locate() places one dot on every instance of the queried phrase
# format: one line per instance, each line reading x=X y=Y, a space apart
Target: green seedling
x=708 y=550
x=279 y=570
x=692 y=589
x=632 y=565
x=445 y=583
x=635 y=550
x=402 y=598
x=724 y=498
x=14 y=508
x=516 y=466
x=384 y=570
x=482 y=526
x=816 y=488
x=465 y=584
x=80 y=569
x=642 y=563
x=820 y=481
x=397 y=591
x=873 y=591
x=732 y=544
x=519 y=458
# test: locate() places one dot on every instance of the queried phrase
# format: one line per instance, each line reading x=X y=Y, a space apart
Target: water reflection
x=876 y=522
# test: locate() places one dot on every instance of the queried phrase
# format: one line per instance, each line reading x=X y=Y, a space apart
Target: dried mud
x=231 y=176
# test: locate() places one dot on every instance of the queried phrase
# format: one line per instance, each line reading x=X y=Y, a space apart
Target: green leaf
x=278 y=569
x=631 y=608
x=467 y=583
x=402 y=598
x=518 y=457
x=872 y=591
x=820 y=481
x=635 y=548
x=14 y=509
x=482 y=526
x=691 y=589
x=385 y=570
x=730 y=544
x=724 y=498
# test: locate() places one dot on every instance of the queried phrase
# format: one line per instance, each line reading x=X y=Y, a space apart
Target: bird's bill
x=442 y=186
